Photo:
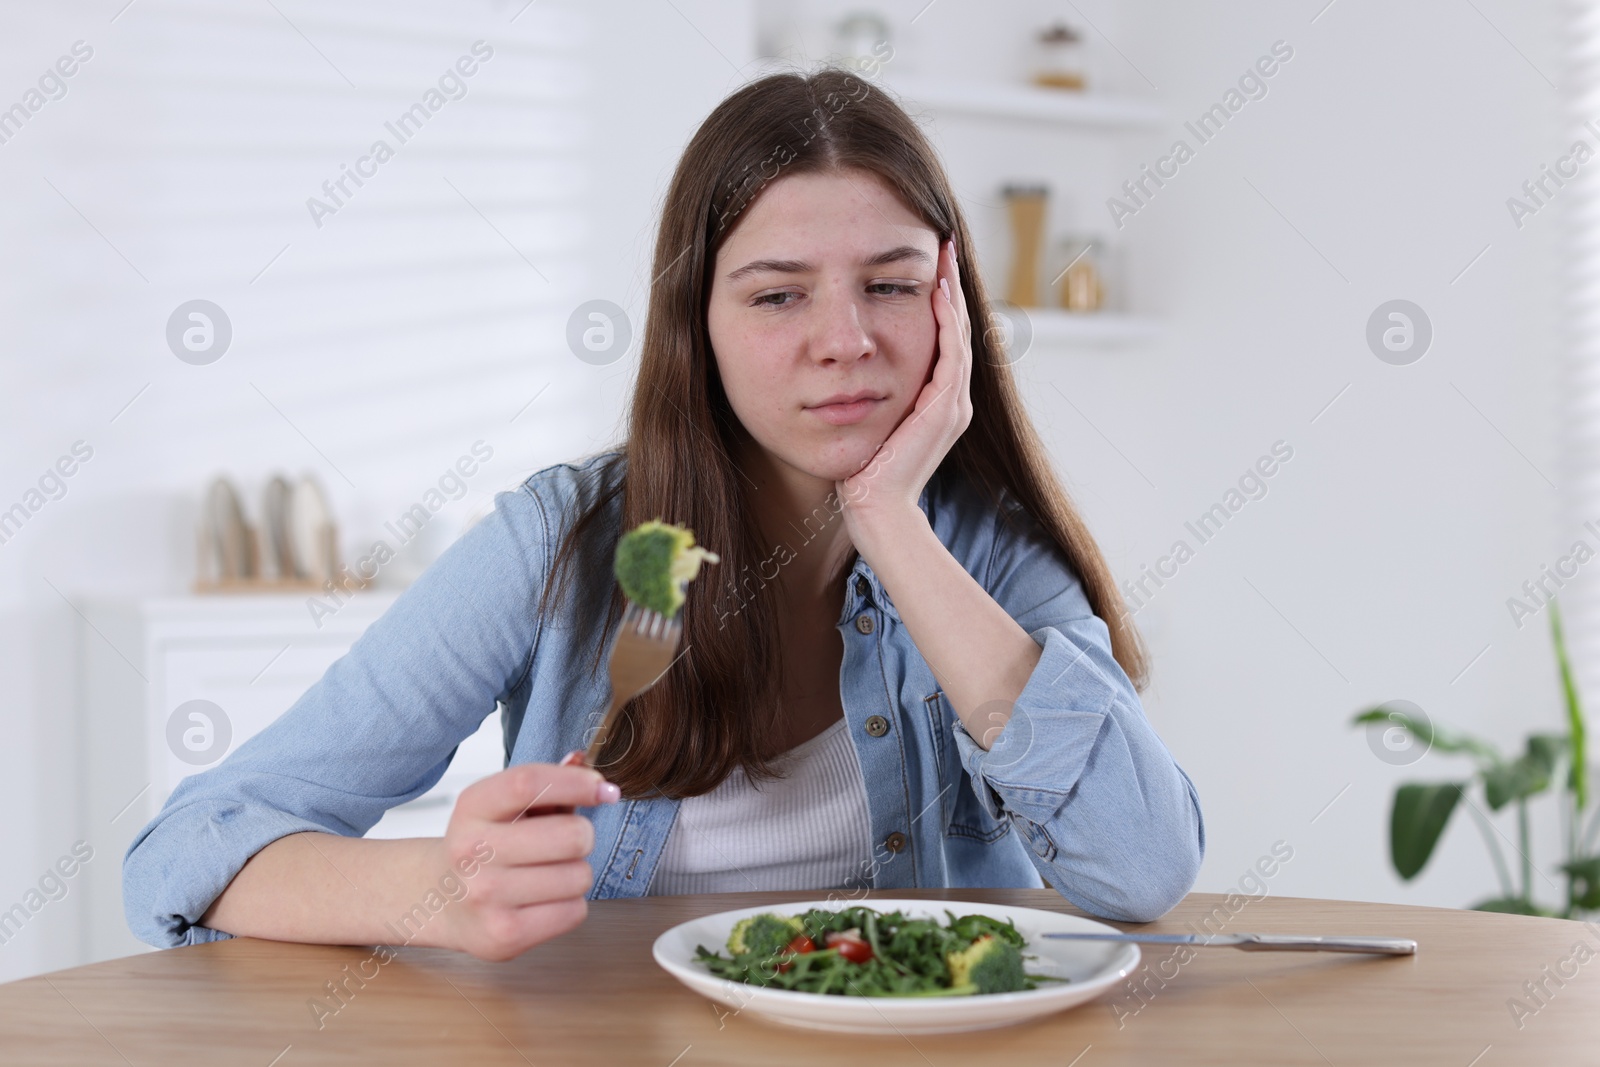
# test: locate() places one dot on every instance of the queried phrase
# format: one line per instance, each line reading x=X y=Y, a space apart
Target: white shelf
x=1002 y=100
x=1105 y=329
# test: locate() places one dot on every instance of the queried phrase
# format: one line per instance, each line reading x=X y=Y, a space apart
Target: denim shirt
x=1076 y=792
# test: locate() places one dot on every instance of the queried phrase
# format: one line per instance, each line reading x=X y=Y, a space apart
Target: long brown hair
x=716 y=707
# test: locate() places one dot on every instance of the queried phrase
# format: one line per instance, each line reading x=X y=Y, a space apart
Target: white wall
x=1412 y=508
x=1390 y=541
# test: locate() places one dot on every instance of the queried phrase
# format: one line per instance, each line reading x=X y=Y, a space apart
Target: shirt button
x=877 y=725
x=863 y=587
x=864 y=623
x=895 y=842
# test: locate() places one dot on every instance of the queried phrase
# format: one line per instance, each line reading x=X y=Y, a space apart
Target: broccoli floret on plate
x=988 y=965
x=655 y=561
x=972 y=927
x=765 y=934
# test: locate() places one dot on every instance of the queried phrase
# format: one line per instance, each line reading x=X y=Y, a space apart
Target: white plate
x=309 y=517
x=278 y=559
x=230 y=536
x=1092 y=967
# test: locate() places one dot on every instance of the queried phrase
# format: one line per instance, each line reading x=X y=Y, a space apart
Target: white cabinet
x=245 y=660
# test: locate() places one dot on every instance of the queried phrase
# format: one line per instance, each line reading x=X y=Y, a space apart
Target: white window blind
x=376 y=337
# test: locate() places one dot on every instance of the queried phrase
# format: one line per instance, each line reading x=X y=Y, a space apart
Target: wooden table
x=595 y=996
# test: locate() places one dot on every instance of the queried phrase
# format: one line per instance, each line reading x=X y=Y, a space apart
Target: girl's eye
x=772 y=300
x=892 y=289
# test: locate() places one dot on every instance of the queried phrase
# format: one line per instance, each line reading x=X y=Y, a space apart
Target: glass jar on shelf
x=1025 y=207
x=1061 y=58
x=1078 y=276
x=862 y=41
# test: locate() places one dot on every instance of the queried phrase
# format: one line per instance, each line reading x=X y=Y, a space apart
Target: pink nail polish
x=944 y=283
x=608 y=793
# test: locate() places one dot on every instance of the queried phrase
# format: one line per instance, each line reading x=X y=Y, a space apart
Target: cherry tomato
x=851 y=948
x=800 y=944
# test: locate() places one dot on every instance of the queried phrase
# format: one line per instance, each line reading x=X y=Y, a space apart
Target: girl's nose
x=840 y=334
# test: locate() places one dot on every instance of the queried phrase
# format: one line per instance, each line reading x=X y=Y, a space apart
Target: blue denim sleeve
x=1111 y=821
x=378 y=729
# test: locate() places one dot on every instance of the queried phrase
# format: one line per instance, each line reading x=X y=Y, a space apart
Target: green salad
x=862 y=952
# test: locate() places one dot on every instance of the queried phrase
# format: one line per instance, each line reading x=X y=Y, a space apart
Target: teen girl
x=910 y=668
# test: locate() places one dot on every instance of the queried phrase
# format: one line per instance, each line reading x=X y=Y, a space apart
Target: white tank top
x=809 y=830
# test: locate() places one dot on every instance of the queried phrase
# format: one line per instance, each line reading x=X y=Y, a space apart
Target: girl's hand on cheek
x=885 y=491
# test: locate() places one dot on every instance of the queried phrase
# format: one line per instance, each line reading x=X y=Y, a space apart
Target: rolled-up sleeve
x=1110 y=819
x=378 y=729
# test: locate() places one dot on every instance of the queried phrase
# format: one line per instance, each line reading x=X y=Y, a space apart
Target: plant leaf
x=1522 y=777
x=1417 y=819
x=1512 y=906
x=1577 y=779
x=1434 y=737
x=1586 y=882
x=1546 y=750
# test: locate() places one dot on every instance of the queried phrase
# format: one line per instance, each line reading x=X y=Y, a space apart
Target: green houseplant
x=1421 y=810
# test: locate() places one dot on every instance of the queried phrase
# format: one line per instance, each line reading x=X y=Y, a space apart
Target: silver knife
x=1387 y=946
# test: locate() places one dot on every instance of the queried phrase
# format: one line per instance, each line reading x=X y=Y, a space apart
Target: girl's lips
x=844 y=414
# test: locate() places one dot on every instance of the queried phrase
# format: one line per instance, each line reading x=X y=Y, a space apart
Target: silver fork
x=646 y=646
x=1387 y=946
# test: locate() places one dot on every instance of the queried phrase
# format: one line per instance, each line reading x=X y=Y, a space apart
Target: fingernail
x=608 y=793
x=944 y=283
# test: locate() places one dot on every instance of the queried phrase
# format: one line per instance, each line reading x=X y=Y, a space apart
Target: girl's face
x=821 y=318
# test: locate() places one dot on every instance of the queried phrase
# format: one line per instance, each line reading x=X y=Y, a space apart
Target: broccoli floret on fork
x=655 y=561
